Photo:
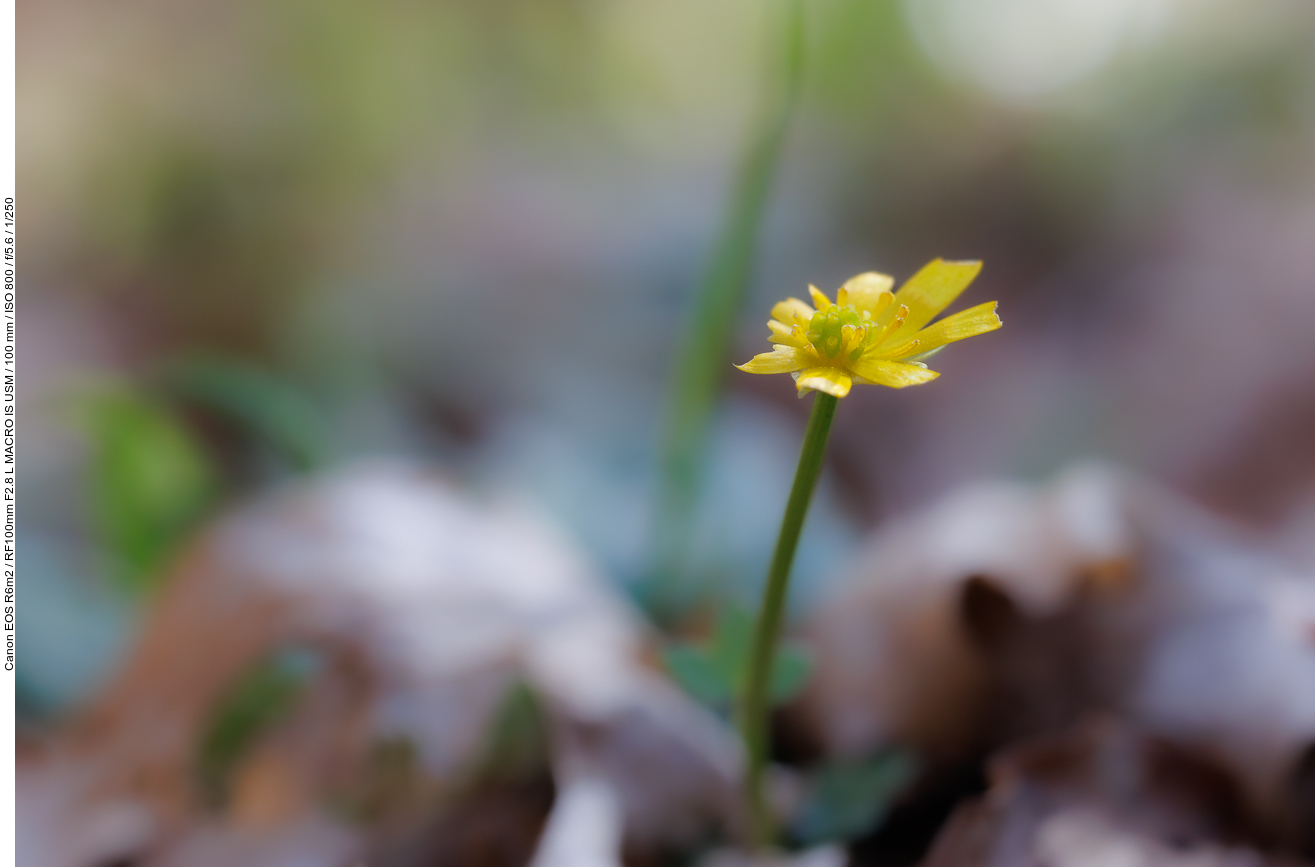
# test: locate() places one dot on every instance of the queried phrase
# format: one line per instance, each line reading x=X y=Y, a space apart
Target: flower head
x=870 y=334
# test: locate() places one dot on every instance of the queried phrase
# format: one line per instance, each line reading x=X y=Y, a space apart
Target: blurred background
x=264 y=239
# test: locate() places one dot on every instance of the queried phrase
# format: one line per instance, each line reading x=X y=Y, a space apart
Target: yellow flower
x=870 y=334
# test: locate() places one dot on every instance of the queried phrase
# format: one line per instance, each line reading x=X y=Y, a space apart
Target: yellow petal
x=784 y=359
x=965 y=323
x=870 y=291
x=831 y=380
x=820 y=301
x=894 y=374
x=931 y=290
x=792 y=311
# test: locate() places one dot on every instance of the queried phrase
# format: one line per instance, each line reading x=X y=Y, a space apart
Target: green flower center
x=825 y=328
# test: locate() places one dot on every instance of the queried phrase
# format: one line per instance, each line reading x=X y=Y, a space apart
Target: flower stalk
x=754 y=708
x=869 y=335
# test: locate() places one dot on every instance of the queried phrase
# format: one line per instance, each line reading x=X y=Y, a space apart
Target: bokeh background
x=262 y=239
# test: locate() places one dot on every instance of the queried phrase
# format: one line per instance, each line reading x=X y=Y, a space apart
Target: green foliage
x=150 y=483
x=713 y=672
x=514 y=753
x=391 y=781
x=516 y=746
x=846 y=800
x=270 y=409
x=259 y=698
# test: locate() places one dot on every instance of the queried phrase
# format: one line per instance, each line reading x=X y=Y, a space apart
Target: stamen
x=894 y=325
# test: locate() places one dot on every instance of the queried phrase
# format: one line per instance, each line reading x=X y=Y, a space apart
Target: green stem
x=754 y=701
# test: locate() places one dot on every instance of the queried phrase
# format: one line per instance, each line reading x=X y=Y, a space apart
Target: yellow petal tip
x=931 y=374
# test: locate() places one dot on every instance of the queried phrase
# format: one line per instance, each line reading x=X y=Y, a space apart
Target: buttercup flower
x=870 y=334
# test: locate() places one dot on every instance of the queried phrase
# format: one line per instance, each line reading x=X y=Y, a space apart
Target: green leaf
x=697 y=674
x=789 y=672
x=713 y=671
x=515 y=745
x=150 y=481
x=732 y=637
x=846 y=800
x=267 y=407
x=258 y=699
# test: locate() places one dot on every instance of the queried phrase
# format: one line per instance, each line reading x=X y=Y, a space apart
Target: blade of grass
x=704 y=355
